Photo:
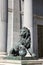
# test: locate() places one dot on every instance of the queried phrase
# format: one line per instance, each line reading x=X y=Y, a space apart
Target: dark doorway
x=40 y=40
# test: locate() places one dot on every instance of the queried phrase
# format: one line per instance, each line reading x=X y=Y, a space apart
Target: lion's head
x=25 y=37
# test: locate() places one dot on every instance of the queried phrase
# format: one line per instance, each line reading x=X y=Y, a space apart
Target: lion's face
x=24 y=33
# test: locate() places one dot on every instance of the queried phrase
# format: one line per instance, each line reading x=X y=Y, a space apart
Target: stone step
x=21 y=62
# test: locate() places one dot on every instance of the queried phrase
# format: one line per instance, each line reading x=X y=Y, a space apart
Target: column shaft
x=10 y=25
x=28 y=19
x=3 y=22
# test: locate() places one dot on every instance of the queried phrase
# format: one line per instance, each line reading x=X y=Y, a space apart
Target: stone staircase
x=19 y=62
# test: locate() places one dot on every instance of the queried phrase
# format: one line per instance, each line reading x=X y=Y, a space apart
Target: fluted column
x=28 y=19
x=3 y=22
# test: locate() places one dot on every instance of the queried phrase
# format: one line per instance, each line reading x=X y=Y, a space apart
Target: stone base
x=29 y=58
x=19 y=58
x=13 y=57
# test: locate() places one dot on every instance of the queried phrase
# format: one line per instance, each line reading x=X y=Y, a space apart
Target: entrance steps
x=19 y=62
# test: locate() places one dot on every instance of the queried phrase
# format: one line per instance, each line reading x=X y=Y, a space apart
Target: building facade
x=15 y=14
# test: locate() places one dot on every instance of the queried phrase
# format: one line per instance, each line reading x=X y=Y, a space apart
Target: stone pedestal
x=19 y=58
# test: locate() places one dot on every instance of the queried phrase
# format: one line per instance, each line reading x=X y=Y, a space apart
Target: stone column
x=28 y=19
x=13 y=23
x=3 y=22
x=10 y=25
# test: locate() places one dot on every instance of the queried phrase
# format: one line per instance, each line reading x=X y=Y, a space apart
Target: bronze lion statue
x=23 y=44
